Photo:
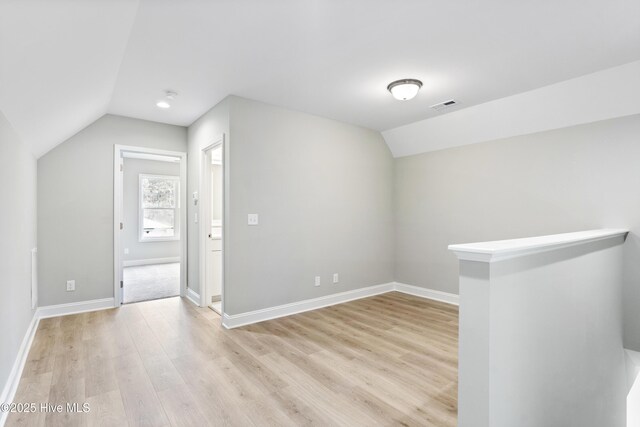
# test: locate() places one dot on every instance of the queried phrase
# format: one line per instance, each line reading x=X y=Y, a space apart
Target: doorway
x=212 y=213
x=149 y=224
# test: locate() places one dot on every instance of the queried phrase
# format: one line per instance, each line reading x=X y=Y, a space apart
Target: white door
x=213 y=246
x=214 y=268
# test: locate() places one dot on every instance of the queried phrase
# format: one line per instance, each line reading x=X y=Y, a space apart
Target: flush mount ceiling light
x=404 y=89
x=169 y=96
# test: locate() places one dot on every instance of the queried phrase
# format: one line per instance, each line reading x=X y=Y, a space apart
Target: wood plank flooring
x=385 y=360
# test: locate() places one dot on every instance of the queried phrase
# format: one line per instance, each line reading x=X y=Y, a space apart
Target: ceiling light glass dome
x=404 y=89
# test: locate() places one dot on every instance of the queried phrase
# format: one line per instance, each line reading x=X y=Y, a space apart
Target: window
x=159 y=204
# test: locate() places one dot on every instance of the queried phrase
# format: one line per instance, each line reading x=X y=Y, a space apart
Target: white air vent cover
x=444 y=105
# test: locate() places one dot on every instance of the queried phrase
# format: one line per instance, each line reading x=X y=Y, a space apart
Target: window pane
x=158 y=223
x=159 y=193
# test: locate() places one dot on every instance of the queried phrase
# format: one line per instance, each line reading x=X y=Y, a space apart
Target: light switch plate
x=71 y=285
x=252 y=219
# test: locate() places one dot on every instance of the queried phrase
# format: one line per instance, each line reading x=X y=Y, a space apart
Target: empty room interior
x=320 y=213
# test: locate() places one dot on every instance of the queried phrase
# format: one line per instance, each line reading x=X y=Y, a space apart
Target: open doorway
x=150 y=226
x=212 y=219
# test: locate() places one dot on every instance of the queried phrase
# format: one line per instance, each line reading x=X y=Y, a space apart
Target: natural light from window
x=159 y=202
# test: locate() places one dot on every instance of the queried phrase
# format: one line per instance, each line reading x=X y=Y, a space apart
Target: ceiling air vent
x=444 y=105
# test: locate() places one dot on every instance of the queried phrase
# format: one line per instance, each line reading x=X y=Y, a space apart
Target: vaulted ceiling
x=65 y=63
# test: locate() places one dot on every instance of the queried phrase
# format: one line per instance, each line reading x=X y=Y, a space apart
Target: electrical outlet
x=336 y=278
x=252 y=219
x=317 y=282
x=71 y=285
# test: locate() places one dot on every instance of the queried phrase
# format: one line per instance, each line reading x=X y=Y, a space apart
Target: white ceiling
x=603 y=95
x=64 y=63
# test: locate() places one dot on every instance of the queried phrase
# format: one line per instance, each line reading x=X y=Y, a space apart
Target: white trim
x=11 y=386
x=236 y=320
x=204 y=178
x=119 y=151
x=427 y=293
x=118 y=197
x=154 y=157
x=34 y=278
x=74 y=308
x=501 y=250
x=231 y=321
x=193 y=296
x=150 y=261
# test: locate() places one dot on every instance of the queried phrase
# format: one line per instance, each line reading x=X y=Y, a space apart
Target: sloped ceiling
x=64 y=63
x=59 y=64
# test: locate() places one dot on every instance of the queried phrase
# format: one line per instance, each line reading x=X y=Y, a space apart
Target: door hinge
x=121 y=226
x=121 y=284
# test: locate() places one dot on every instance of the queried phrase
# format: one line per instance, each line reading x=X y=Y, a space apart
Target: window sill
x=159 y=239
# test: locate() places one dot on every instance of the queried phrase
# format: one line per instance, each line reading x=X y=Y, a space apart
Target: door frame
x=204 y=214
x=118 y=192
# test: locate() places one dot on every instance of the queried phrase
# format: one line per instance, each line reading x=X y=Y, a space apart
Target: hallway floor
x=385 y=360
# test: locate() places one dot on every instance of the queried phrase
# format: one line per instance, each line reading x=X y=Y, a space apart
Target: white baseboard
x=150 y=261
x=193 y=296
x=231 y=321
x=11 y=386
x=236 y=320
x=74 y=307
x=427 y=293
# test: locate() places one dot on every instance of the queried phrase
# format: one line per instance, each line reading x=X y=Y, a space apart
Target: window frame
x=142 y=238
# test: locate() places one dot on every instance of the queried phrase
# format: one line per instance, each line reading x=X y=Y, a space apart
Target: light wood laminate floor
x=385 y=360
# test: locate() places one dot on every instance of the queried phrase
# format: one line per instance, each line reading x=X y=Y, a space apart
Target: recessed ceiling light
x=164 y=103
x=404 y=89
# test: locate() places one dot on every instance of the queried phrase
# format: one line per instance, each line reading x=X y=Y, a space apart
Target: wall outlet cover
x=252 y=219
x=71 y=285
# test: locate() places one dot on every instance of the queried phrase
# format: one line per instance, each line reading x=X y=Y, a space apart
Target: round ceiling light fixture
x=404 y=89
x=164 y=103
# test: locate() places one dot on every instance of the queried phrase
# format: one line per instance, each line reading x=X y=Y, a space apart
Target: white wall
x=18 y=231
x=75 y=205
x=131 y=203
x=201 y=133
x=572 y=179
x=610 y=93
x=323 y=191
x=541 y=339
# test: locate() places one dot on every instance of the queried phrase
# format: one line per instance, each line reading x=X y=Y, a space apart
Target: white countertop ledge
x=500 y=250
